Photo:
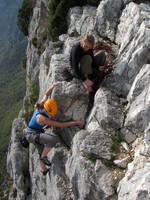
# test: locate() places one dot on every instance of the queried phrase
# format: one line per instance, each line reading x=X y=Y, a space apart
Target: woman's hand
x=80 y=122
x=101 y=68
x=55 y=84
x=88 y=82
x=48 y=92
x=88 y=85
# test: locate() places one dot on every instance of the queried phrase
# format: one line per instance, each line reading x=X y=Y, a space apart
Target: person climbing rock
x=34 y=133
x=84 y=63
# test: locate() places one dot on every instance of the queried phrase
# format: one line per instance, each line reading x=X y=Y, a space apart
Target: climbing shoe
x=45 y=161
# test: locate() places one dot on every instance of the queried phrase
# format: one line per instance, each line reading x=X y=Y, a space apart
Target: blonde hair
x=88 y=38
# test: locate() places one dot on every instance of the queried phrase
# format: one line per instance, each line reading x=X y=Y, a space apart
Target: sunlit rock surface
x=82 y=163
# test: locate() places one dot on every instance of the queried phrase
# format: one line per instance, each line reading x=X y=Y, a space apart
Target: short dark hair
x=38 y=105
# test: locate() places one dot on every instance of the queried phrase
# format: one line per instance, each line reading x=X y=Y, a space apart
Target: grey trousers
x=86 y=62
x=41 y=140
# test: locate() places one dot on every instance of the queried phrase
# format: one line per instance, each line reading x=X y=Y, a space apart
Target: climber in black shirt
x=84 y=63
x=77 y=54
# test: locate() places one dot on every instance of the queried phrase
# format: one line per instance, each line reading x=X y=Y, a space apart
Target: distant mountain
x=12 y=76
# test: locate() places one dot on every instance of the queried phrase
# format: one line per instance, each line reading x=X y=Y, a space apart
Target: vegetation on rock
x=58 y=10
x=30 y=100
x=23 y=18
x=12 y=81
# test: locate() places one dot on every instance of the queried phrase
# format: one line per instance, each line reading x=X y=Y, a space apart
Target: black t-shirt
x=76 y=54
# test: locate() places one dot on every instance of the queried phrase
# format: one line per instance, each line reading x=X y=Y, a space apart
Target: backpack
x=108 y=49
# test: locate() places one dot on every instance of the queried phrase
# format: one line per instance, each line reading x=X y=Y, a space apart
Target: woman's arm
x=48 y=93
x=46 y=121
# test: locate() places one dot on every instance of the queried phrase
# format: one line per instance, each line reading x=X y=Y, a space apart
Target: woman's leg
x=86 y=69
x=34 y=139
x=48 y=141
x=100 y=58
x=43 y=166
x=46 y=150
x=86 y=65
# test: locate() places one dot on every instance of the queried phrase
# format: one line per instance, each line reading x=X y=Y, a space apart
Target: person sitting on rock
x=34 y=133
x=84 y=63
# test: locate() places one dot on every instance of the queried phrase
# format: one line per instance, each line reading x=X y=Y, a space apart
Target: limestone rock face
x=135 y=185
x=88 y=161
x=139 y=97
x=18 y=162
x=79 y=18
x=107 y=18
x=107 y=111
x=147 y=139
x=97 y=144
x=133 y=38
x=37 y=28
x=87 y=173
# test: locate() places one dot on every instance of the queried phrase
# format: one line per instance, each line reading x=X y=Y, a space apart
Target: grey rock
x=78 y=170
x=17 y=163
x=89 y=179
x=36 y=30
x=106 y=112
x=108 y=13
x=57 y=179
x=128 y=136
x=135 y=185
x=39 y=19
x=97 y=144
x=134 y=51
x=69 y=43
x=139 y=110
x=141 y=82
x=82 y=20
x=147 y=139
x=122 y=163
x=125 y=146
x=45 y=66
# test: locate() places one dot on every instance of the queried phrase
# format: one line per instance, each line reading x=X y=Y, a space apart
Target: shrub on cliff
x=30 y=100
x=23 y=17
x=57 y=14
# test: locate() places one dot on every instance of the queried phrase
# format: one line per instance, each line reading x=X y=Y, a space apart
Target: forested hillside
x=12 y=78
x=12 y=75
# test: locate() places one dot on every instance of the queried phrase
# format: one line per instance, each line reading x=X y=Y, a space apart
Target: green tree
x=57 y=14
x=23 y=18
